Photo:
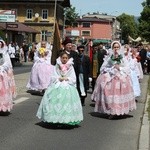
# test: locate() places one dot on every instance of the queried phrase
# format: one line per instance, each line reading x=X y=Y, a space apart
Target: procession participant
x=25 y=48
x=134 y=70
x=94 y=65
x=84 y=74
x=7 y=82
x=142 y=54
x=61 y=102
x=41 y=70
x=136 y=53
x=74 y=48
x=67 y=43
x=148 y=59
x=12 y=52
x=113 y=91
x=101 y=53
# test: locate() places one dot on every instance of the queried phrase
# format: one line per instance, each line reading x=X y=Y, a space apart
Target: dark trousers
x=13 y=60
x=25 y=56
x=148 y=65
x=143 y=66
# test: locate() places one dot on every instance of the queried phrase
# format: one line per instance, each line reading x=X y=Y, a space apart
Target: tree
x=128 y=27
x=70 y=16
x=2 y=35
x=144 y=25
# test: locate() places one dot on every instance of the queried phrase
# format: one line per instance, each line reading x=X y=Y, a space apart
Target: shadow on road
x=32 y=92
x=56 y=126
x=4 y=113
x=105 y=116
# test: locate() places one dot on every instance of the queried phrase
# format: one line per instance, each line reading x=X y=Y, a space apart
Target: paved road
x=22 y=130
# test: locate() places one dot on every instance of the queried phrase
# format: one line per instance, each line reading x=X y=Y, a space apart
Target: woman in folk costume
x=41 y=70
x=7 y=83
x=61 y=102
x=135 y=73
x=113 y=91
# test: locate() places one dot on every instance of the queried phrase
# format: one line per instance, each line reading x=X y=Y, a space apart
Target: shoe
x=111 y=117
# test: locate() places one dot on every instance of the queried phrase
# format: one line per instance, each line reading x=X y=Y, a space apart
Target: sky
x=111 y=7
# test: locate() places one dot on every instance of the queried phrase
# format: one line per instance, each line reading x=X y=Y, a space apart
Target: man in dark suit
x=83 y=74
x=101 y=52
x=142 y=54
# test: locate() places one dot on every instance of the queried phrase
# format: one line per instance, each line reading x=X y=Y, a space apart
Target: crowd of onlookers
x=22 y=53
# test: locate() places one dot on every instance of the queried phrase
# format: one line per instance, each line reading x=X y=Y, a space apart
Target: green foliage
x=146 y=3
x=70 y=16
x=2 y=34
x=144 y=25
x=128 y=26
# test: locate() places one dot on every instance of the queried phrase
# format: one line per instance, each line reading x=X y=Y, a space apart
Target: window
x=86 y=24
x=29 y=13
x=86 y=33
x=44 y=35
x=44 y=14
x=14 y=11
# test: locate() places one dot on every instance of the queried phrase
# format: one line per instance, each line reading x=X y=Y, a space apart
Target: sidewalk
x=18 y=64
x=144 y=137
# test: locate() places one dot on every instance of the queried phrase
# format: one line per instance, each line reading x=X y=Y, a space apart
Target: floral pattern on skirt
x=114 y=96
x=7 y=90
x=61 y=104
x=40 y=76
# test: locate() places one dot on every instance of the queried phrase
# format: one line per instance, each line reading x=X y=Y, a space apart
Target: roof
x=100 y=16
x=18 y=27
x=92 y=19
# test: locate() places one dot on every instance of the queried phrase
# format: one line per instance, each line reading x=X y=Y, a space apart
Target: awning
x=101 y=40
x=17 y=26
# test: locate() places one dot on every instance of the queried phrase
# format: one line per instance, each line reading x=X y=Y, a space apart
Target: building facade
x=40 y=15
x=95 y=27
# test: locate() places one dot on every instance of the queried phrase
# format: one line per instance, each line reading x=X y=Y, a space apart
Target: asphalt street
x=22 y=130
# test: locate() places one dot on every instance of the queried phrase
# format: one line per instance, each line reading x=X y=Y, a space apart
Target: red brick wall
x=98 y=30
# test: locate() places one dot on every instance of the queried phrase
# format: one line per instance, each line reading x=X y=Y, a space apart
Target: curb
x=145 y=130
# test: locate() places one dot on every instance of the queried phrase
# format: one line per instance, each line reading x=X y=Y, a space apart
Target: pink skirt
x=7 y=90
x=114 y=96
x=40 y=76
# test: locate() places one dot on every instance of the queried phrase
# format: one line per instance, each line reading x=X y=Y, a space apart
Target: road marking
x=20 y=100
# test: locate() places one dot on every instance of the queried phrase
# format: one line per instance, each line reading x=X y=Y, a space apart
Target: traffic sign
x=7 y=12
x=7 y=18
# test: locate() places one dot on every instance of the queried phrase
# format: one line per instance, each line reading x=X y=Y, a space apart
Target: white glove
x=90 y=79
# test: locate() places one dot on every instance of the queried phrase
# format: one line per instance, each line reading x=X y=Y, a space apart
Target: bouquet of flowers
x=117 y=59
x=42 y=51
